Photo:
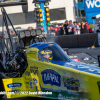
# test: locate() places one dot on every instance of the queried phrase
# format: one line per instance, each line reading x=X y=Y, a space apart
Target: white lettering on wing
x=92 y=70
x=72 y=64
x=82 y=66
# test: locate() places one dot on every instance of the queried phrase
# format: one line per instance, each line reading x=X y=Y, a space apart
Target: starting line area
x=85 y=58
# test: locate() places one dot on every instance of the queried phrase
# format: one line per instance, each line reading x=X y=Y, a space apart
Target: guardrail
x=75 y=41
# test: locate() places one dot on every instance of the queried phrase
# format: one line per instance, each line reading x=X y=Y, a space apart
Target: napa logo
x=92 y=3
x=14 y=85
x=50 y=76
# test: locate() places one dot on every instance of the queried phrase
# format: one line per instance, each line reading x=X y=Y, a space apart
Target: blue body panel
x=70 y=64
x=79 y=66
x=41 y=45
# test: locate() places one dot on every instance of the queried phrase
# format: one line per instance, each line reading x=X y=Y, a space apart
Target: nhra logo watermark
x=50 y=76
x=92 y=3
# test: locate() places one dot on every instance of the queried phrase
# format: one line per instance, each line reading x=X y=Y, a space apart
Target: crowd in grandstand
x=69 y=27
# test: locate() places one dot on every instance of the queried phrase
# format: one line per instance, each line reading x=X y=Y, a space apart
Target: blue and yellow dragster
x=49 y=73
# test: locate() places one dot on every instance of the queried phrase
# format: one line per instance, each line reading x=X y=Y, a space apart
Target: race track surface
x=93 y=52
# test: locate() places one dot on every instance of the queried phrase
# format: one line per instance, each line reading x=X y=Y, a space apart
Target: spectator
x=83 y=28
x=58 y=30
x=75 y=28
x=61 y=30
x=70 y=27
x=74 y=23
x=78 y=28
x=65 y=26
x=87 y=27
x=52 y=30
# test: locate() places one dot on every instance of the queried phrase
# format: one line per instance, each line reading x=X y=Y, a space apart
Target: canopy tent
x=97 y=16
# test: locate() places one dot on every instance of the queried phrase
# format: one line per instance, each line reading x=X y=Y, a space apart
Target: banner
x=92 y=8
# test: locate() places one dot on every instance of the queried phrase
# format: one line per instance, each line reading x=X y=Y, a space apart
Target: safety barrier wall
x=75 y=41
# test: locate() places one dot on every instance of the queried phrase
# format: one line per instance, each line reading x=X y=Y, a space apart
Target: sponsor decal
x=46 y=52
x=71 y=83
x=14 y=85
x=86 y=58
x=92 y=3
x=27 y=73
x=34 y=70
x=50 y=76
x=31 y=84
x=34 y=80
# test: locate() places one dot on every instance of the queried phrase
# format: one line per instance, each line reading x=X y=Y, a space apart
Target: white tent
x=97 y=16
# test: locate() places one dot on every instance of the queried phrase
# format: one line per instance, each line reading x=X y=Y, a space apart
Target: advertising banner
x=92 y=8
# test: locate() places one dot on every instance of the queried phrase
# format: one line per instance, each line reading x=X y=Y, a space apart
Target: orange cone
x=93 y=47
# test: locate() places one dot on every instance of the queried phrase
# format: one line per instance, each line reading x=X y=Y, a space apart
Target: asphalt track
x=93 y=52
